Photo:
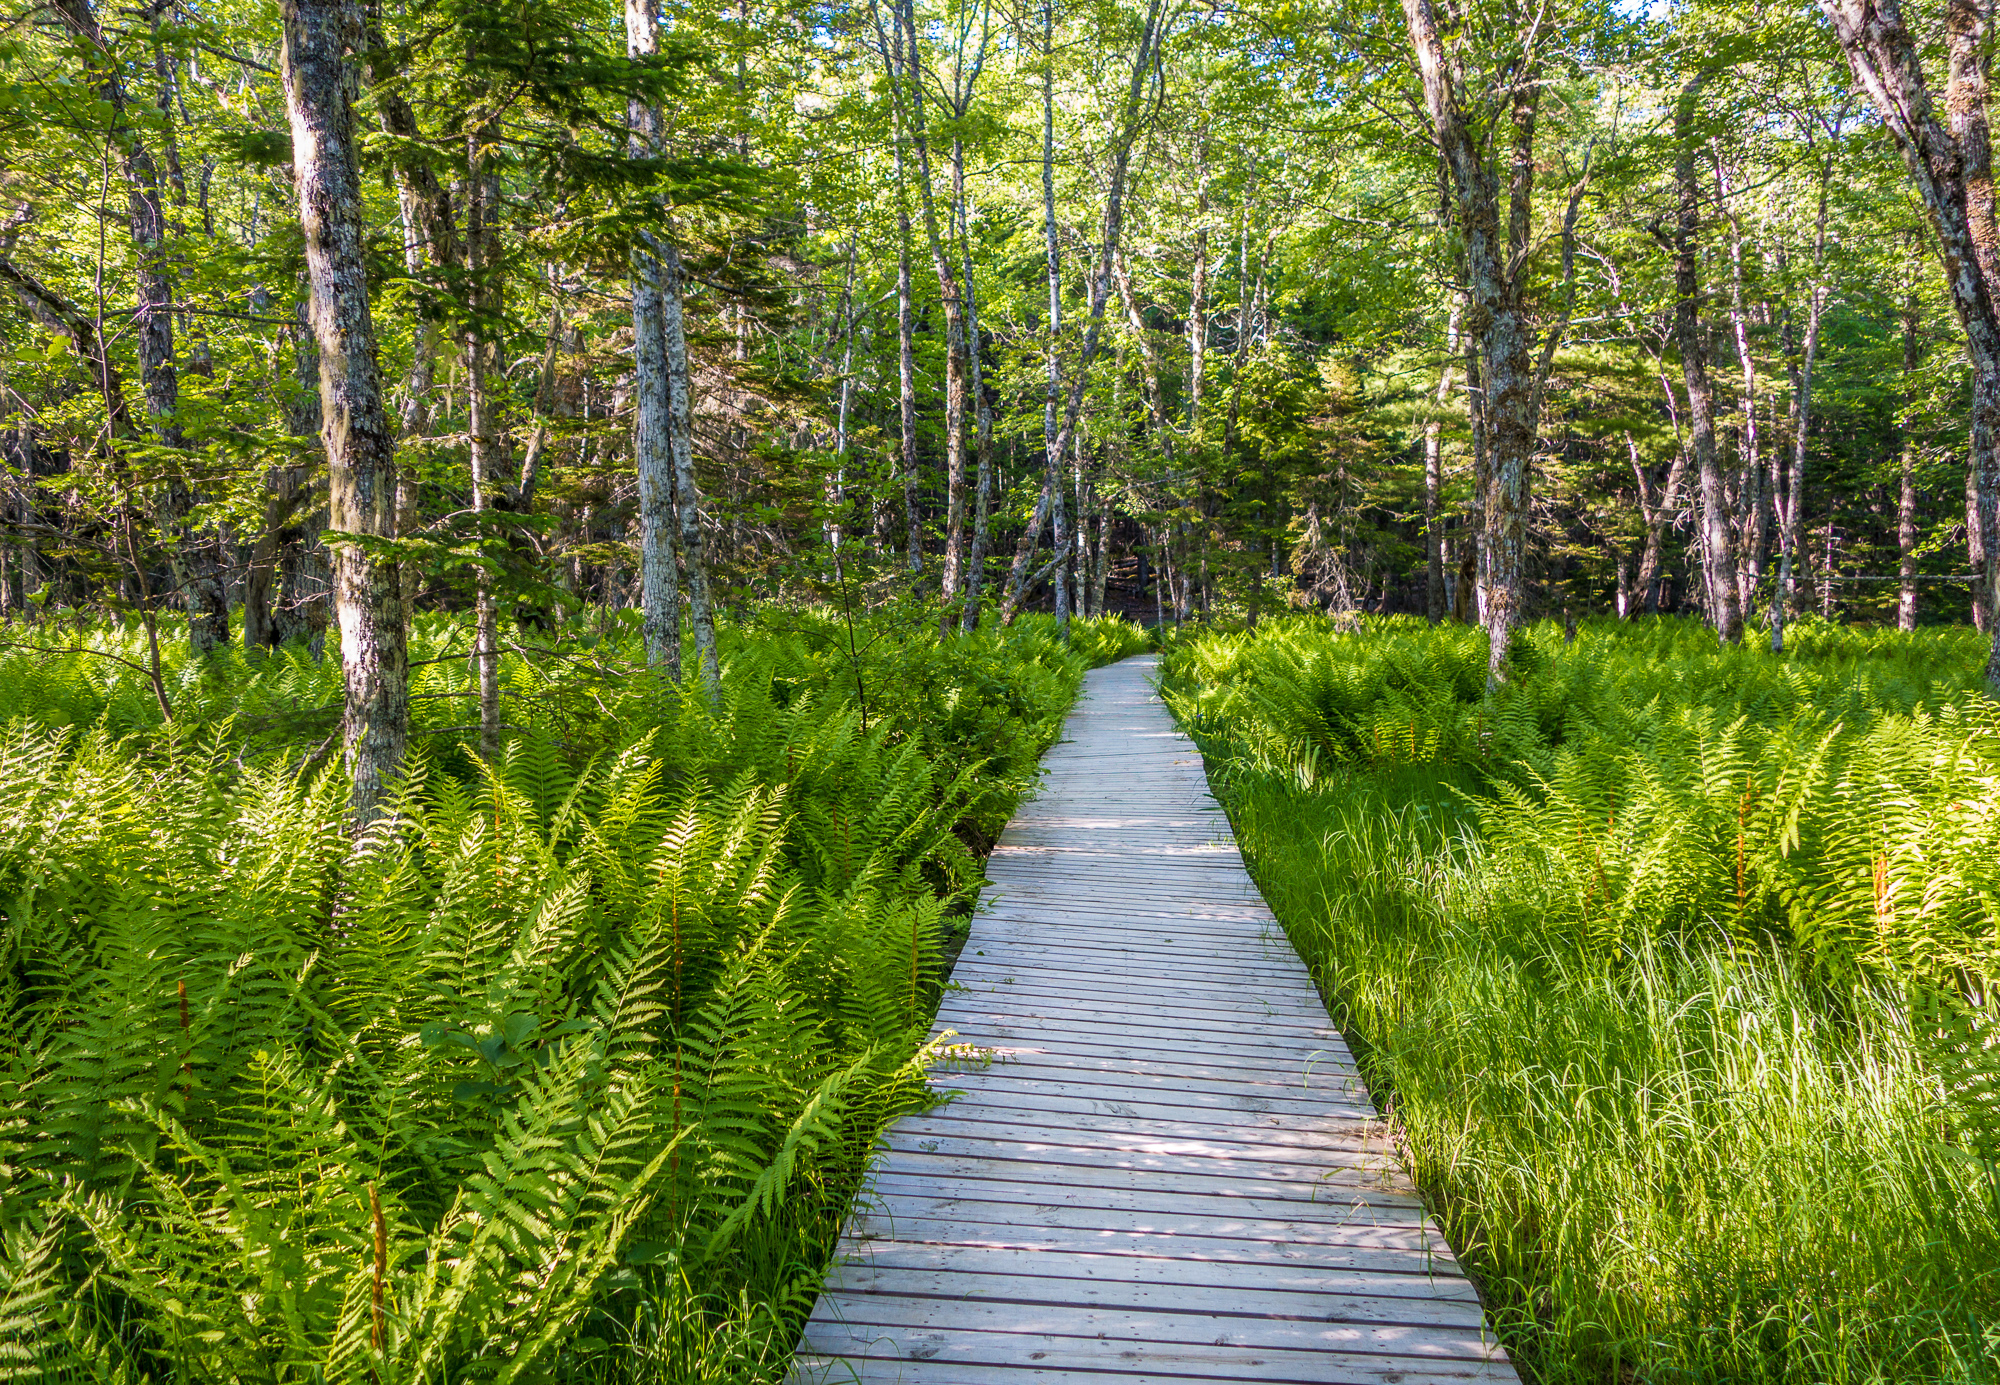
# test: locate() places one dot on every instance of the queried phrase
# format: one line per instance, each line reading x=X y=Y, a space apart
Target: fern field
x=1675 y=964
x=567 y=1075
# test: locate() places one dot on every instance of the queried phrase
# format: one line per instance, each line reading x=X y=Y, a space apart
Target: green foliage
x=1674 y=965
x=568 y=1075
x=1654 y=785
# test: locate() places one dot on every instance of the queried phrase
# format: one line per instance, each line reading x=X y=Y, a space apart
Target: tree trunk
x=1056 y=437
x=1434 y=604
x=1717 y=551
x=836 y=481
x=1802 y=381
x=951 y=298
x=982 y=528
x=1495 y=258
x=1951 y=165
x=319 y=37
x=1657 y=515
x=1756 y=508
x=906 y=366
x=1469 y=605
x=1052 y=437
x=195 y=558
x=1198 y=301
x=652 y=448
x=680 y=434
x=1906 y=499
x=481 y=245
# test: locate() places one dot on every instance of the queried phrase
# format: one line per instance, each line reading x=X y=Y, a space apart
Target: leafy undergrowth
x=569 y=1076
x=1673 y=963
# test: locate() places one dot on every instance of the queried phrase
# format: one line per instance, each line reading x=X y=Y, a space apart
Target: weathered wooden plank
x=1145 y=1103
x=1154 y=1081
x=1330 y=1205
x=1404 y=1249
x=1021 y=1002
x=875 y=1265
x=1153 y=1182
x=1350 y=1370
x=1319 y=1301
x=1269 y=991
x=991 y=1120
x=1275 y=1064
x=1286 y=1164
x=1168 y=1168
x=1092 y=1328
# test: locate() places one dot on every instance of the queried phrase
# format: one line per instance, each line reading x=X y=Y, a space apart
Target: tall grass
x=568 y=1076
x=1672 y=964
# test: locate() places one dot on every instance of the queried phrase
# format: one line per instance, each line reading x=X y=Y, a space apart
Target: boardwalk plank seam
x=1159 y=1162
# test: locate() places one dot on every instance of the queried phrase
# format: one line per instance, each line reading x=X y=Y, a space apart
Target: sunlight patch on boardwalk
x=1171 y=1170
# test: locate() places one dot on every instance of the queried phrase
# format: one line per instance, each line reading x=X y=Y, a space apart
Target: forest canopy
x=1475 y=311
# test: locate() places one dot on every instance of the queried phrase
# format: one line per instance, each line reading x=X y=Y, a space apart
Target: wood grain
x=1163 y=1165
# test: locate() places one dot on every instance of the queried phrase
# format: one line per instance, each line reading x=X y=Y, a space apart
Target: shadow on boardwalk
x=1172 y=1170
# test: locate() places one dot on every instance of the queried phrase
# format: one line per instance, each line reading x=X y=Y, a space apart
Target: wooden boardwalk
x=1171 y=1170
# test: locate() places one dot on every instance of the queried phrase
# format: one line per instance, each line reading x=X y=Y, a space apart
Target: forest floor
x=1158 y=1156
x=1671 y=963
x=566 y=1074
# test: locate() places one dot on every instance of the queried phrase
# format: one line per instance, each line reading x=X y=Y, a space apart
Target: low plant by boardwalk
x=1674 y=962
x=568 y=1076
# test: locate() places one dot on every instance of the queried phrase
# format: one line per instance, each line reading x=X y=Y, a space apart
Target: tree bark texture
x=482 y=437
x=1052 y=438
x=652 y=448
x=1756 y=501
x=1951 y=163
x=320 y=39
x=1801 y=371
x=951 y=297
x=1495 y=259
x=1718 y=556
x=1906 y=497
x=687 y=496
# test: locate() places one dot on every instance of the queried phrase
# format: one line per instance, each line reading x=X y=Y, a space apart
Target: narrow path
x=1171 y=1170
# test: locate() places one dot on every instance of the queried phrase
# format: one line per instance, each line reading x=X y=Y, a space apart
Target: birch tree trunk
x=906 y=374
x=652 y=448
x=320 y=39
x=1906 y=498
x=982 y=529
x=836 y=481
x=1052 y=438
x=1434 y=603
x=482 y=444
x=1198 y=300
x=1469 y=601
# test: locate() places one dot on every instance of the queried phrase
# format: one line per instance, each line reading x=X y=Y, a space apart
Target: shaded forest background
x=1263 y=326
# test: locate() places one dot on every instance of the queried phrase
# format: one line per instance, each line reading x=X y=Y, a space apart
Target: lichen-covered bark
x=687 y=496
x=1494 y=261
x=652 y=447
x=320 y=39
